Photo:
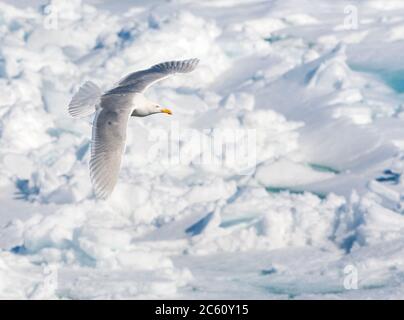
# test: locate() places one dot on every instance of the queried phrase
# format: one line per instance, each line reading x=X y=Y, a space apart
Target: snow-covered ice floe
x=315 y=211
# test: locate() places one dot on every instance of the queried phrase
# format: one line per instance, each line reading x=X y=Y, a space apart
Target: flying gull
x=112 y=111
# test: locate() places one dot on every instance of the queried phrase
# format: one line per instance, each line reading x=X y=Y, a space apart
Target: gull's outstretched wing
x=139 y=81
x=108 y=143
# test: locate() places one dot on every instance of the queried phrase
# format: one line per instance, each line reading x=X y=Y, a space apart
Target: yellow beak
x=168 y=111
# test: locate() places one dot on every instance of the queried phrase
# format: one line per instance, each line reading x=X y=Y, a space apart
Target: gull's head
x=154 y=107
x=144 y=107
x=160 y=109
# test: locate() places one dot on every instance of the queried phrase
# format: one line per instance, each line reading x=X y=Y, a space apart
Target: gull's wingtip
x=189 y=64
x=194 y=61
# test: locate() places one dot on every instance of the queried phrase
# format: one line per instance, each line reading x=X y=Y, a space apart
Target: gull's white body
x=113 y=110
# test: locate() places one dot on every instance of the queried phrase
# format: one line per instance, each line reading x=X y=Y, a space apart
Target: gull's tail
x=85 y=100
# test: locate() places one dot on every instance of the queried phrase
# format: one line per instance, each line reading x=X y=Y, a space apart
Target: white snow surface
x=325 y=194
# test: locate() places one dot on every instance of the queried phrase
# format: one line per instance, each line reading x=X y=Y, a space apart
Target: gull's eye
x=157 y=107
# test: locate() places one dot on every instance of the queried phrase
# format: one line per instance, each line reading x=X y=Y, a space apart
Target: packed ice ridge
x=325 y=101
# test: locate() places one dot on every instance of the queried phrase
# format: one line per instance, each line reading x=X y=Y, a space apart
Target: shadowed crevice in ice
x=98 y=45
x=269 y=271
x=237 y=194
x=350 y=218
x=389 y=177
x=3 y=72
x=348 y=243
x=291 y=190
x=19 y=250
x=82 y=257
x=124 y=35
x=200 y=225
x=323 y=168
x=276 y=38
x=299 y=189
x=25 y=191
x=82 y=150
x=233 y=222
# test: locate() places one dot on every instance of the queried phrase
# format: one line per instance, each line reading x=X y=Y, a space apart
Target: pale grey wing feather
x=139 y=81
x=108 y=144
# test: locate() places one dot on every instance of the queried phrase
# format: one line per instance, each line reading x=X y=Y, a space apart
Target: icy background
x=324 y=202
